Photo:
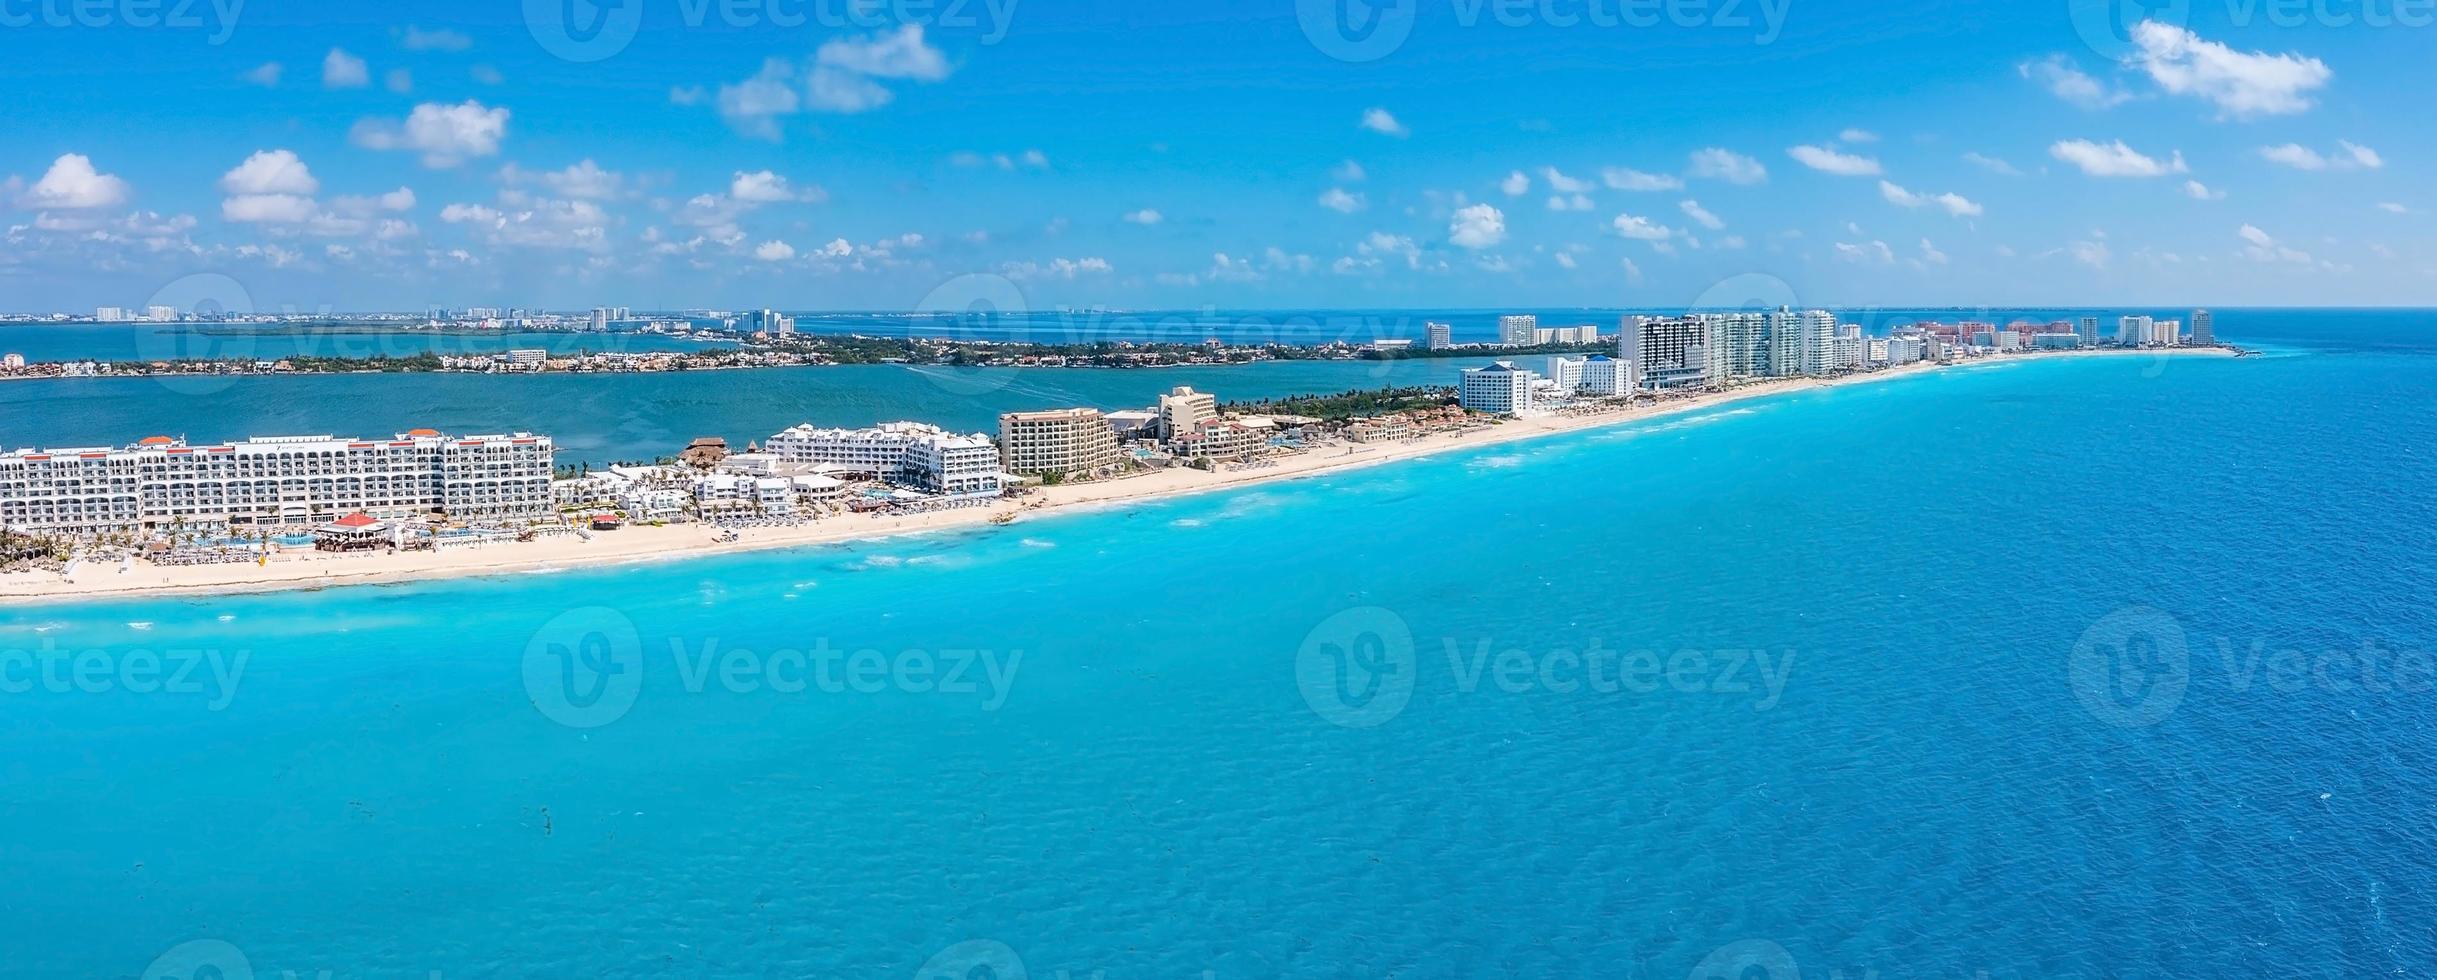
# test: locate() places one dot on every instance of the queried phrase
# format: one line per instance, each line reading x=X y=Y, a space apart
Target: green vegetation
x=1346 y=405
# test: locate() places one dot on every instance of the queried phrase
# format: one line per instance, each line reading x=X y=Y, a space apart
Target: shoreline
x=316 y=570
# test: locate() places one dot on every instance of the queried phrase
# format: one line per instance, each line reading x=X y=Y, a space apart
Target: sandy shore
x=310 y=569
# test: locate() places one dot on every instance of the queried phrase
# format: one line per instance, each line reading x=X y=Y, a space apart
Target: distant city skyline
x=1326 y=154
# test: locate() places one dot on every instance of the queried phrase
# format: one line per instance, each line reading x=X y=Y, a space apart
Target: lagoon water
x=2100 y=667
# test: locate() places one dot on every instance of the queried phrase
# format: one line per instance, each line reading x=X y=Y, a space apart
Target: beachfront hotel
x=162 y=482
x=914 y=454
x=1059 y=443
x=1497 y=389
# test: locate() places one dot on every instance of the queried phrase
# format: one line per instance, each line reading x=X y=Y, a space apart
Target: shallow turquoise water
x=1892 y=686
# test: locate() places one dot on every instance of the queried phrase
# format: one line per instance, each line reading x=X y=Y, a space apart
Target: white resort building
x=284 y=480
x=910 y=453
x=1497 y=389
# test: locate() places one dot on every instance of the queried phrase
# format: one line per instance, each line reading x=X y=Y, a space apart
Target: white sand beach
x=305 y=568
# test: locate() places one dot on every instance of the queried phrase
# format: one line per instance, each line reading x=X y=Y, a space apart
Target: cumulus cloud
x=1629 y=179
x=1146 y=216
x=1477 y=227
x=2066 y=80
x=845 y=75
x=2114 y=159
x=270 y=172
x=766 y=187
x=1828 y=160
x=2240 y=84
x=1340 y=200
x=1696 y=212
x=343 y=70
x=2260 y=246
x=1718 y=163
x=445 y=135
x=2348 y=156
x=266 y=75
x=774 y=251
x=1058 y=268
x=584 y=179
x=1516 y=184
x=1951 y=203
x=437 y=39
x=1641 y=229
x=1872 y=252
x=2201 y=192
x=72 y=183
x=1991 y=164
x=1381 y=121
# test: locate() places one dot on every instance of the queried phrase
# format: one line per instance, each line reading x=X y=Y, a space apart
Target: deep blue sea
x=2069 y=667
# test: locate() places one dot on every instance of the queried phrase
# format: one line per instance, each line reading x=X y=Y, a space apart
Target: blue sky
x=823 y=154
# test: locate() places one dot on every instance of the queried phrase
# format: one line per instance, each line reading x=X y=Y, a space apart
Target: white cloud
x=774 y=251
x=2391 y=207
x=2092 y=254
x=1641 y=229
x=2242 y=85
x=1477 y=227
x=2261 y=247
x=538 y=223
x=2201 y=192
x=1930 y=254
x=1339 y=200
x=2066 y=80
x=1827 y=160
x=343 y=70
x=1992 y=164
x=271 y=172
x=1516 y=184
x=766 y=187
x=73 y=184
x=1717 y=163
x=1563 y=184
x=2114 y=159
x=1379 y=120
x=900 y=55
x=1629 y=179
x=445 y=135
x=1146 y=216
x=1869 y=252
x=1570 y=202
x=2348 y=156
x=437 y=39
x=1059 y=268
x=1349 y=172
x=1858 y=136
x=1566 y=260
x=1696 y=212
x=265 y=75
x=1951 y=203
x=273 y=209
x=584 y=179
x=398 y=81
x=1633 y=273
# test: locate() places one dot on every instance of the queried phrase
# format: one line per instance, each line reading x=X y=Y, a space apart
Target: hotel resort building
x=914 y=454
x=1497 y=389
x=278 y=480
x=1056 y=443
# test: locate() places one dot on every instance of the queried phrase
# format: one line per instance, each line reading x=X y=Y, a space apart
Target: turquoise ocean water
x=2096 y=667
